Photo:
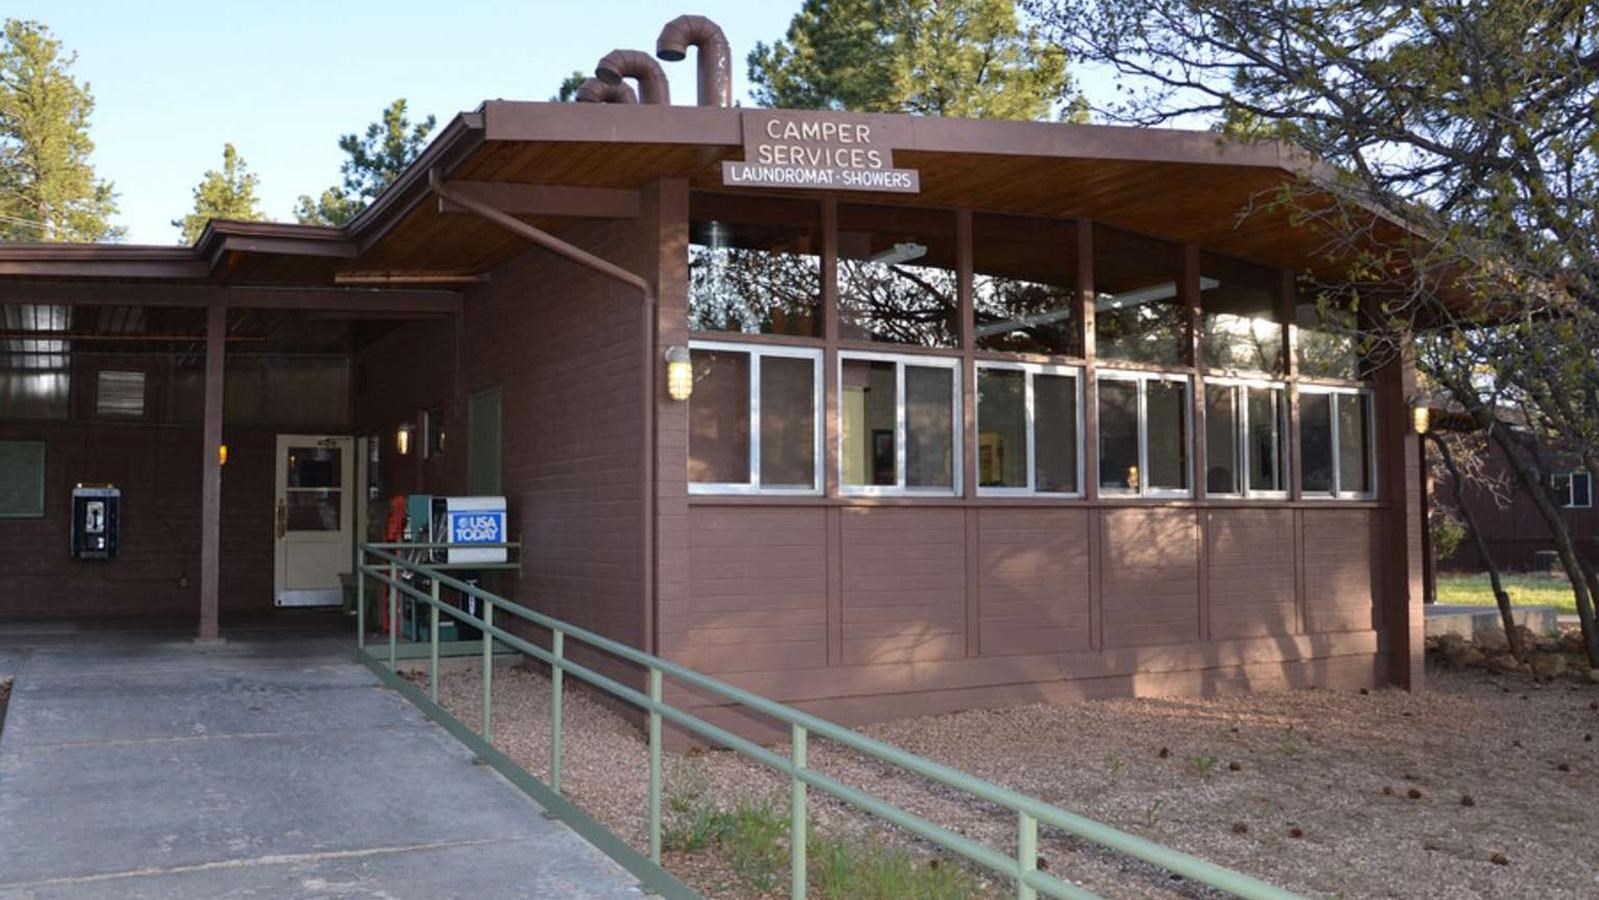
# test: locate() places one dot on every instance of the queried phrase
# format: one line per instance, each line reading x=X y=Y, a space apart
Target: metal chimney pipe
x=620 y=64
x=597 y=91
x=715 y=59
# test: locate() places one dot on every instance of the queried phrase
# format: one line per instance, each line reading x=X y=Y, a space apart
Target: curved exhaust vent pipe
x=597 y=91
x=620 y=64
x=715 y=57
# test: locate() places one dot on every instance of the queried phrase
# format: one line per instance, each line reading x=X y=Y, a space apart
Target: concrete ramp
x=268 y=767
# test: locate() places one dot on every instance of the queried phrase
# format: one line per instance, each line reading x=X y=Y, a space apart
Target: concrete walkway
x=146 y=767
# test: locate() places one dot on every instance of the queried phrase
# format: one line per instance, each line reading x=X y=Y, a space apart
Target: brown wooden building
x=1518 y=538
x=1042 y=419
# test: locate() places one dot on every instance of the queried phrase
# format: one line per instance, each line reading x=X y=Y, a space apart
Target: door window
x=313 y=494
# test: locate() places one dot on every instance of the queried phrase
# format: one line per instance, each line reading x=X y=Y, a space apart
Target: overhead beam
x=518 y=199
x=241 y=296
x=11 y=266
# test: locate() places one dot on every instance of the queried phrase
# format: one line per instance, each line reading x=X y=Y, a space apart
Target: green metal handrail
x=1030 y=812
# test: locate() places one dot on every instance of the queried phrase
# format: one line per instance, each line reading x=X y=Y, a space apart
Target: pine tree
x=225 y=194
x=966 y=58
x=376 y=159
x=48 y=188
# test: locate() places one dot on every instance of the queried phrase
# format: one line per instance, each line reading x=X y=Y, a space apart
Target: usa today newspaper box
x=471 y=520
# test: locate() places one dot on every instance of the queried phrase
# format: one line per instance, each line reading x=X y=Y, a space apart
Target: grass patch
x=752 y=839
x=1524 y=590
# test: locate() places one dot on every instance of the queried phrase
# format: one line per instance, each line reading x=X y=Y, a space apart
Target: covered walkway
x=272 y=766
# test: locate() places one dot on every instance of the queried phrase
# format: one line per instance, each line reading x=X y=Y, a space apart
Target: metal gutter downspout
x=647 y=359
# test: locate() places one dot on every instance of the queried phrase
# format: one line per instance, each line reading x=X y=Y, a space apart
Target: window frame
x=1144 y=491
x=956 y=365
x=753 y=486
x=129 y=376
x=39 y=511
x=1240 y=390
x=1337 y=493
x=1030 y=370
x=1571 y=488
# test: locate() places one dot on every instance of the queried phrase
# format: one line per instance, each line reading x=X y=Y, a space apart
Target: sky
x=173 y=80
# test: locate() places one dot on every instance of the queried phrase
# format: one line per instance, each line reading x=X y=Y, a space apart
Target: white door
x=313 y=518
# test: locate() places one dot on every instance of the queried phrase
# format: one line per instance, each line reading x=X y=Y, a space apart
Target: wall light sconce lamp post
x=1420 y=415
x=679 y=373
x=402 y=440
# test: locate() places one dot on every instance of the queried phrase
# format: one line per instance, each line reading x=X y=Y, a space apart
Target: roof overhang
x=551 y=163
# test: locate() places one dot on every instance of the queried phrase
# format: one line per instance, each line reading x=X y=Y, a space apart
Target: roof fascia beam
x=244 y=296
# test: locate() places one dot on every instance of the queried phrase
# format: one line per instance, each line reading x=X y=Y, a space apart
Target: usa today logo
x=476 y=527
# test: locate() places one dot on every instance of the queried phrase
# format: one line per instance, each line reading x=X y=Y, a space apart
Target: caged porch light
x=679 y=373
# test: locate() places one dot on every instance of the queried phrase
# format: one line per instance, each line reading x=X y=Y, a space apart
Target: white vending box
x=472 y=520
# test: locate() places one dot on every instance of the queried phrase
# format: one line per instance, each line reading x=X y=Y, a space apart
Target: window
x=1138 y=317
x=1239 y=325
x=119 y=394
x=1326 y=344
x=896 y=276
x=21 y=479
x=433 y=432
x=755 y=419
x=899 y=431
x=1143 y=434
x=755 y=265
x=1024 y=285
x=1246 y=432
x=35 y=373
x=1573 y=490
x=1028 y=422
x=1335 y=442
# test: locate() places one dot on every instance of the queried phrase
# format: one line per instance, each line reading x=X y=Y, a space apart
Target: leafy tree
x=567 y=92
x=48 y=189
x=1471 y=122
x=966 y=58
x=225 y=194
x=376 y=159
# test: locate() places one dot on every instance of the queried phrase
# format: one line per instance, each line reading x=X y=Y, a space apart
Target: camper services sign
x=788 y=149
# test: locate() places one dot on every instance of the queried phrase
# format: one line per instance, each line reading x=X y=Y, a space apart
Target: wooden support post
x=216 y=330
x=1399 y=541
x=968 y=424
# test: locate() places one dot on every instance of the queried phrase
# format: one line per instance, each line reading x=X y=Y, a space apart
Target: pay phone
x=95 y=513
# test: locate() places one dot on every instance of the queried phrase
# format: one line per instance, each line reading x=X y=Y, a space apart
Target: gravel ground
x=1482 y=786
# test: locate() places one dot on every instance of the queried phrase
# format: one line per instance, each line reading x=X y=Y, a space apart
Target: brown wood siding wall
x=157 y=570
x=760 y=586
x=563 y=344
x=1339 y=571
x=1150 y=569
x=903 y=575
x=1252 y=572
x=757 y=591
x=1033 y=578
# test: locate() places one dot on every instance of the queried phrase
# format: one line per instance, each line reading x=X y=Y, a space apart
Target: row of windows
x=756 y=426
x=756 y=266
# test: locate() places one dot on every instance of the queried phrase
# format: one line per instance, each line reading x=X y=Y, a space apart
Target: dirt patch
x=1484 y=785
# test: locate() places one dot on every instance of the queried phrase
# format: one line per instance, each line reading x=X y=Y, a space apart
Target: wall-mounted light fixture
x=222 y=454
x=1420 y=415
x=679 y=373
x=402 y=440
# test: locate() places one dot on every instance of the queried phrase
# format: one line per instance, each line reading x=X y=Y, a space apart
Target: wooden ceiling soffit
x=243 y=296
x=546 y=200
x=456 y=142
